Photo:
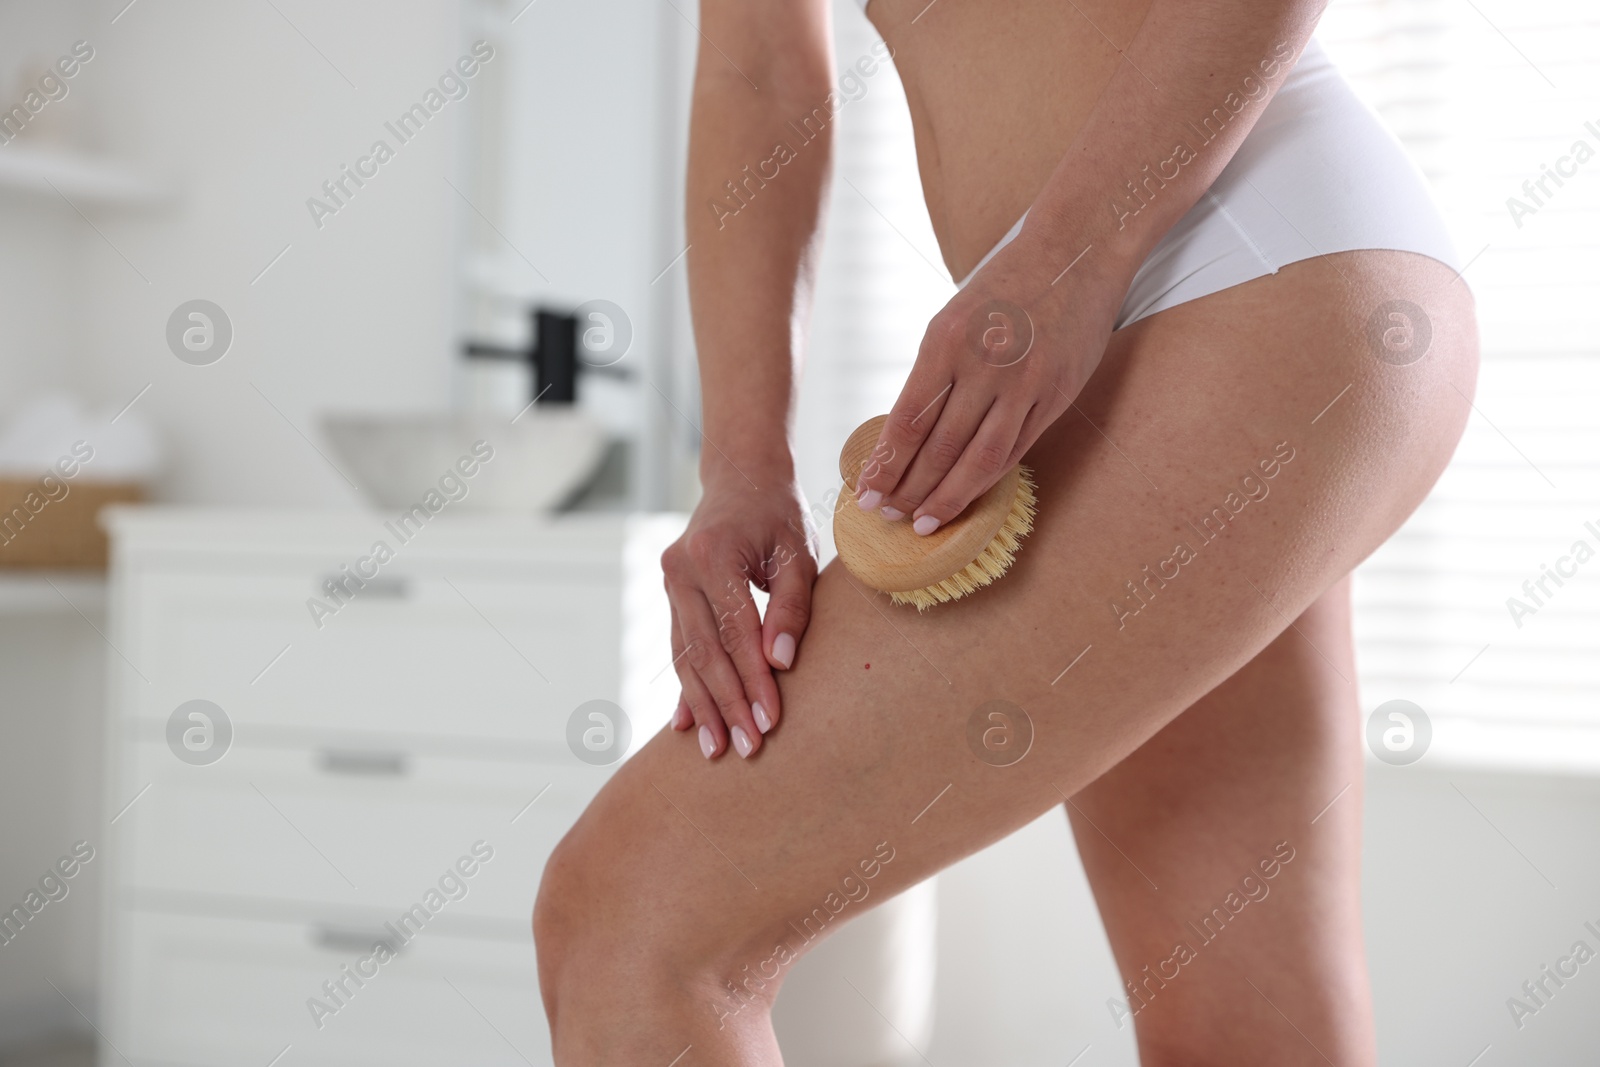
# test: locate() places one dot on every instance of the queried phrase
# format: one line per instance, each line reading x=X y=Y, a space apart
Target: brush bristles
x=992 y=562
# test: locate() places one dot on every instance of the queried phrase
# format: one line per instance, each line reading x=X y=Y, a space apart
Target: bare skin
x=730 y=854
x=1271 y=755
x=1208 y=740
x=1031 y=109
x=995 y=97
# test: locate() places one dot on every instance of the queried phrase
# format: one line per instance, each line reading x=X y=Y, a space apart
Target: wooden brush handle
x=891 y=556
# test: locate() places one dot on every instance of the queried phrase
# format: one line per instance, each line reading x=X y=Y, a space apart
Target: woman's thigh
x=1230 y=460
x=1225 y=856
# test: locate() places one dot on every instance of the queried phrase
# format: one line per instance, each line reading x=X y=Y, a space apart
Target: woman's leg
x=1164 y=559
x=1224 y=964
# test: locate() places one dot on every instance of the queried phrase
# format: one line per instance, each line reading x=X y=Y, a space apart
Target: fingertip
x=708 y=742
x=783 y=649
x=763 y=720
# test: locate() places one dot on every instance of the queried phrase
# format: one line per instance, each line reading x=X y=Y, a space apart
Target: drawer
x=429 y=653
x=204 y=990
x=303 y=827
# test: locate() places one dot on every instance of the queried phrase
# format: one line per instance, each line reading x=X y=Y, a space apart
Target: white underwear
x=1318 y=173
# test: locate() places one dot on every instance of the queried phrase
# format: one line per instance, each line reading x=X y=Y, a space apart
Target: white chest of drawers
x=426 y=717
x=372 y=750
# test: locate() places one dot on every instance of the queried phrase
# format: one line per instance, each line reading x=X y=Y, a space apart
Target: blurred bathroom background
x=238 y=343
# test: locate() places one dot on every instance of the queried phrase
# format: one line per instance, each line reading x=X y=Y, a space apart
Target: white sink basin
x=538 y=463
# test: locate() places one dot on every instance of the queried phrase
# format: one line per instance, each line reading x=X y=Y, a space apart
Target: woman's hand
x=723 y=651
x=1000 y=363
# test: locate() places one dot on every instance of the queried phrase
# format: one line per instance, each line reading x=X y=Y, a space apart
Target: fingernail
x=741 y=741
x=763 y=720
x=783 y=649
x=925 y=525
x=892 y=514
x=708 y=744
x=869 y=500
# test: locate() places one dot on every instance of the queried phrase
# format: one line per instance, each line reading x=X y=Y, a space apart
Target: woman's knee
x=589 y=915
x=557 y=919
x=629 y=970
x=612 y=907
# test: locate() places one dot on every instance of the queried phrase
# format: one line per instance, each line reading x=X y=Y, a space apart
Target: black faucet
x=553 y=352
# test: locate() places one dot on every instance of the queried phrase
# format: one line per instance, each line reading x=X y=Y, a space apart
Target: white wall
x=241 y=114
x=40 y=256
x=1457 y=919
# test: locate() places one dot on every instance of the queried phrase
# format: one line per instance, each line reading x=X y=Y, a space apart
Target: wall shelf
x=80 y=177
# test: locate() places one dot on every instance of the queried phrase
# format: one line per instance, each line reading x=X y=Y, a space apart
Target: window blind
x=881 y=278
x=1486 y=95
x=1465 y=611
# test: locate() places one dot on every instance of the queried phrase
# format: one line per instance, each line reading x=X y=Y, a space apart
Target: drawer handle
x=344 y=939
x=363 y=761
x=348 y=587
